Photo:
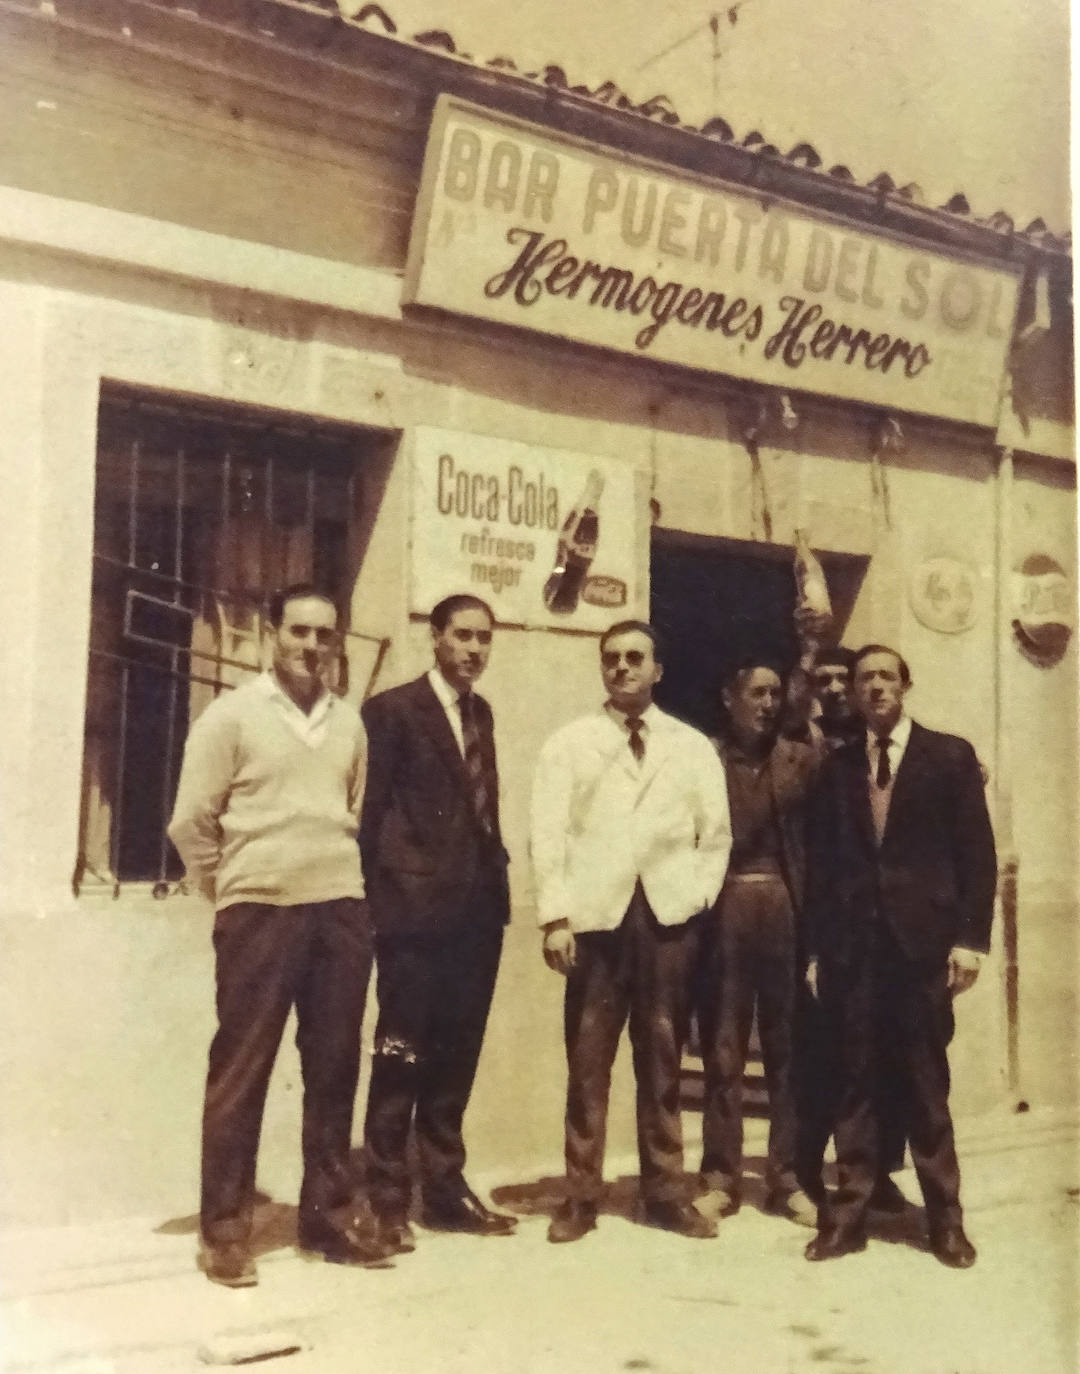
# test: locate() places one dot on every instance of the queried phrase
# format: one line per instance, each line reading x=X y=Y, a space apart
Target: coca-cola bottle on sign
x=578 y=539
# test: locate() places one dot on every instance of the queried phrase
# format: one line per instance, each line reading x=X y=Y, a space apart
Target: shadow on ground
x=275 y=1222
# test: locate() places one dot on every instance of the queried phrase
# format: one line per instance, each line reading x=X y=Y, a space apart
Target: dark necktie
x=481 y=782
x=637 y=745
x=884 y=772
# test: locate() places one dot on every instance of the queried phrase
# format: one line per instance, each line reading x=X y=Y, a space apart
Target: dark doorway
x=716 y=601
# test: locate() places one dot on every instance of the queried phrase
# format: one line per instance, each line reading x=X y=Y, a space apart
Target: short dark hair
x=868 y=649
x=461 y=601
x=733 y=676
x=296 y=591
x=838 y=656
x=625 y=627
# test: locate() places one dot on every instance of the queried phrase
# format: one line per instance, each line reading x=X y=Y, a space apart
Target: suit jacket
x=428 y=865
x=933 y=878
x=600 y=822
x=791 y=768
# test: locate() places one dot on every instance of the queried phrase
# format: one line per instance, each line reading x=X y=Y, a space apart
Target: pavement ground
x=125 y=1298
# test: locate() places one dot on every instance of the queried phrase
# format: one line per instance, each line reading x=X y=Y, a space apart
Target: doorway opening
x=715 y=601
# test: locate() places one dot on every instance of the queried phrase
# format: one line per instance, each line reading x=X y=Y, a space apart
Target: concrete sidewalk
x=125 y=1298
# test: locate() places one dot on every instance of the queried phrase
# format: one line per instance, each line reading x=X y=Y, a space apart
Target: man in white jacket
x=630 y=842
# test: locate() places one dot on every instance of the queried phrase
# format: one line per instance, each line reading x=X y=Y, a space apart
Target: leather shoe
x=953 y=1248
x=572 y=1220
x=833 y=1243
x=465 y=1212
x=887 y=1198
x=681 y=1218
x=795 y=1205
x=230 y=1265
x=354 y=1242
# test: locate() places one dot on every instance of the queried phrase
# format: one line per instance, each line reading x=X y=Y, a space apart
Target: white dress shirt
x=898 y=743
x=450 y=700
x=601 y=821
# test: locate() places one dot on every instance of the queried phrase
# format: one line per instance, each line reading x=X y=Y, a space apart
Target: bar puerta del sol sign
x=526 y=227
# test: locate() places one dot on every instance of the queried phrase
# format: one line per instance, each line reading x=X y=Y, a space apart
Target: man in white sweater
x=265 y=822
x=630 y=842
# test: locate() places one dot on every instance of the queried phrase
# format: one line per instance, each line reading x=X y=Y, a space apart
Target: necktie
x=884 y=772
x=480 y=784
x=637 y=745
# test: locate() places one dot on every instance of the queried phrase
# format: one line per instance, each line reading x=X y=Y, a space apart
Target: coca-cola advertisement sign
x=531 y=228
x=546 y=536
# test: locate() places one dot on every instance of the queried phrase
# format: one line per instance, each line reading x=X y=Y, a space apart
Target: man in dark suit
x=436 y=882
x=817 y=1087
x=903 y=872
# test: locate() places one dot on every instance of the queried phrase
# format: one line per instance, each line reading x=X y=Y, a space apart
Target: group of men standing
x=838 y=876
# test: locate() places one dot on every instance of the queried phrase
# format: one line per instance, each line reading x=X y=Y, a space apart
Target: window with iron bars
x=198 y=516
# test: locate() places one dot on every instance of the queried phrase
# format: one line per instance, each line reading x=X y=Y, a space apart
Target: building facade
x=267 y=319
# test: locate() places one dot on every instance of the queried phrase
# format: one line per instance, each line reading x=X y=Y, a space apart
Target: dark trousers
x=896 y=1017
x=639 y=971
x=817 y=1070
x=749 y=960
x=269 y=959
x=434 y=996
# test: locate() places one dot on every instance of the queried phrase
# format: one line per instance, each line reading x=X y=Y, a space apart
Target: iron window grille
x=199 y=515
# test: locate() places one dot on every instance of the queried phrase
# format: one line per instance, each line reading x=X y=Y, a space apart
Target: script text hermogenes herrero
x=547 y=265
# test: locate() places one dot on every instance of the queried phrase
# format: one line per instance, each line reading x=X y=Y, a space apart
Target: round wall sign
x=1044 y=608
x=943 y=595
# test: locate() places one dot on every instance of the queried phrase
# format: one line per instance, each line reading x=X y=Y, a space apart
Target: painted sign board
x=944 y=595
x=527 y=227
x=547 y=537
x=1044 y=604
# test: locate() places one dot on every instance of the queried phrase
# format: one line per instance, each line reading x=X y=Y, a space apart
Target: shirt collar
x=898 y=735
x=649 y=716
x=448 y=696
x=272 y=688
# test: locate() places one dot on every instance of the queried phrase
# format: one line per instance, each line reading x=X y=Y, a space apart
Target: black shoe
x=681 y=1218
x=834 y=1242
x=952 y=1247
x=230 y=1265
x=887 y=1198
x=463 y=1211
x=354 y=1242
x=572 y=1220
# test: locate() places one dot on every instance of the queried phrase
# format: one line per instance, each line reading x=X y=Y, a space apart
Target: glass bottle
x=578 y=539
x=812 y=589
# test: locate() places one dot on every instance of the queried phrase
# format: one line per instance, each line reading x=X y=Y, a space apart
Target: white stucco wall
x=113 y=996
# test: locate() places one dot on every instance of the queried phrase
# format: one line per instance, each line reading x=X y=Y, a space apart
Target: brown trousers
x=749 y=960
x=270 y=959
x=640 y=971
